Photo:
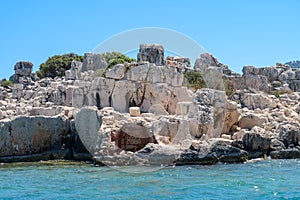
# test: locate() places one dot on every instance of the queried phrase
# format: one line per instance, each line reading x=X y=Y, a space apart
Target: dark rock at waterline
x=229 y=154
x=289 y=135
x=256 y=144
x=286 y=154
x=190 y=157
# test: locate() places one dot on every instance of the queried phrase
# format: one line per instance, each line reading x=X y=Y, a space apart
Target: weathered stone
x=256 y=141
x=100 y=93
x=229 y=154
x=127 y=94
x=117 y=72
x=248 y=121
x=183 y=108
x=253 y=101
x=34 y=135
x=190 y=157
x=231 y=117
x=87 y=124
x=206 y=60
x=134 y=111
x=293 y=153
x=276 y=145
x=289 y=135
x=74 y=72
x=255 y=82
x=133 y=137
x=93 y=62
x=178 y=62
x=158 y=109
x=158 y=93
x=272 y=73
x=153 y=53
x=23 y=69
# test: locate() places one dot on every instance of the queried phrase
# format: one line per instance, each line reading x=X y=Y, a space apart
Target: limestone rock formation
x=23 y=72
x=93 y=62
x=144 y=113
x=153 y=53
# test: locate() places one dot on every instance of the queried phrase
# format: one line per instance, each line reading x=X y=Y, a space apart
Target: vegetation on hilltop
x=57 y=65
x=6 y=83
x=113 y=58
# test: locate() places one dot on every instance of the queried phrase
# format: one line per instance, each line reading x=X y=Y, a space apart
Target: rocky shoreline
x=146 y=113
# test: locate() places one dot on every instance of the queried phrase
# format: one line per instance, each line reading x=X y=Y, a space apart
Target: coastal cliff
x=149 y=112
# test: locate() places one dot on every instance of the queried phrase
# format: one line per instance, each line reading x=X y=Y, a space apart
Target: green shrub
x=194 y=80
x=113 y=58
x=6 y=83
x=57 y=65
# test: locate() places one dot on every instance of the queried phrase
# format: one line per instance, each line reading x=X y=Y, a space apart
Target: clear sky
x=237 y=32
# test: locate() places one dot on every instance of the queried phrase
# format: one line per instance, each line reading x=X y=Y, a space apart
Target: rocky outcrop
x=23 y=72
x=153 y=53
x=36 y=137
x=143 y=113
x=93 y=62
x=74 y=72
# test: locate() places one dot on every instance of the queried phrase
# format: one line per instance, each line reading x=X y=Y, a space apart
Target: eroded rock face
x=34 y=135
x=248 y=121
x=253 y=101
x=206 y=60
x=93 y=62
x=153 y=53
x=133 y=137
x=289 y=135
x=23 y=72
x=256 y=142
x=87 y=124
x=74 y=72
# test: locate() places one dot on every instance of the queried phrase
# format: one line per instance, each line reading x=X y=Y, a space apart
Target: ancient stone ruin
x=146 y=113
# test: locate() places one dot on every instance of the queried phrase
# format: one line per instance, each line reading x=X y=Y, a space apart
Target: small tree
x=57 y=65
x=6 y=83
x=194 y=80
x=113 y=58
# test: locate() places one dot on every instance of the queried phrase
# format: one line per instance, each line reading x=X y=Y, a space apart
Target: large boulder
x=290 y=135
x=210 y=111
x=93 y=62
x=231 y=117
x=153 y=53
x=292 y=153
x=253 y=101
x=256 y=142
x=206 y=60
x=34 y=138
x=87 y=124
x=250 y=120
x=272 y=73
x=23 y=72
x=255 y=82
x=151 y=73
x=74 y=72
x=158 y=93
x=117 y=72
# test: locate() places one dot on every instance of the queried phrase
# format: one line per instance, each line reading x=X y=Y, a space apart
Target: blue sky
x=237 y=32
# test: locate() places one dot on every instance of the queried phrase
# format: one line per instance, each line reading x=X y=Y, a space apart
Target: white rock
x=134 y=111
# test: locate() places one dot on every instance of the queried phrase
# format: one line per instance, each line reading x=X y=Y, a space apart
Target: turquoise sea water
x=271 y=179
